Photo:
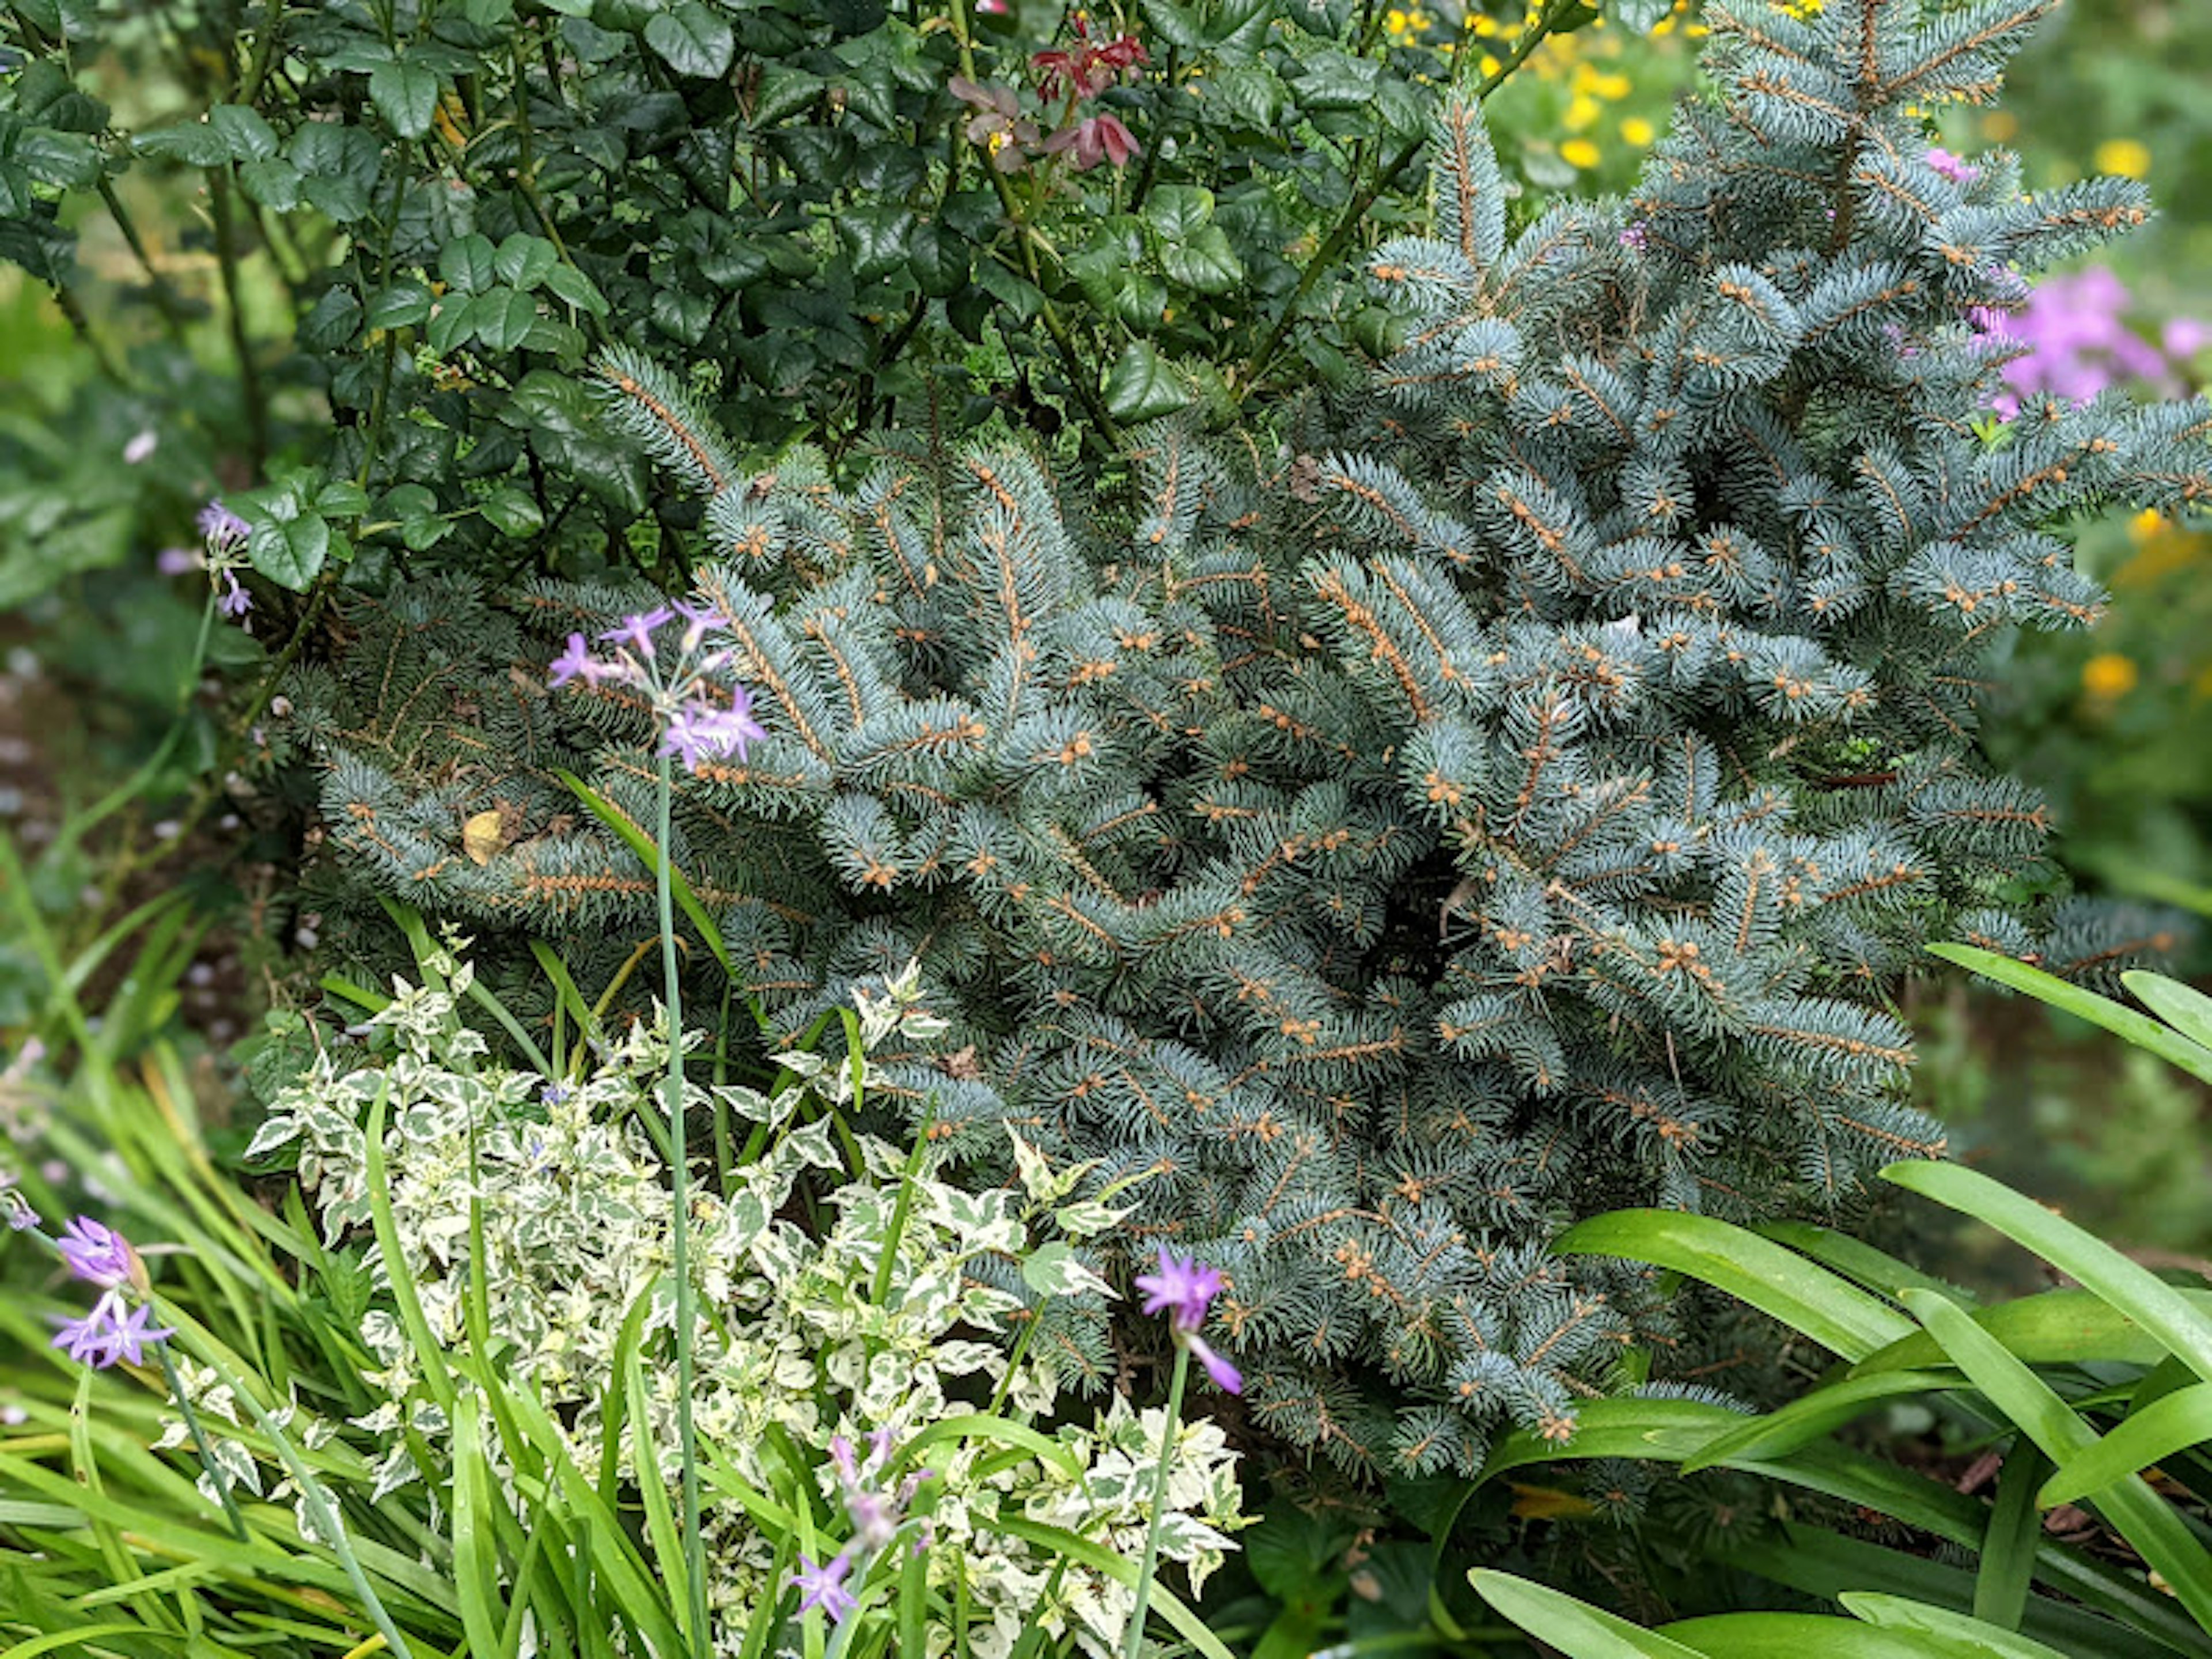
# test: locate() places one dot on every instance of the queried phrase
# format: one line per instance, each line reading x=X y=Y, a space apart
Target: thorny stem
x=1135 y=1638
x=1355 y=213
x=695 y=1551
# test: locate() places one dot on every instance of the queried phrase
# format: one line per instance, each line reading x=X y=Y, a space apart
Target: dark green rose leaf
x=406 y=95
x=577 y=289
x=939 y=258
x=470 y=265
x=512 y=513
x=876 y=239
x=1142 y=386
x=692 y=41
x=404 y=303
x=250 y=138
x=274 y=183
x=502 y=317
x=524 y=261
x=196 y=143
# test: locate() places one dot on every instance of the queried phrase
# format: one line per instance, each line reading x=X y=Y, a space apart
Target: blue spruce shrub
x=1523 y=805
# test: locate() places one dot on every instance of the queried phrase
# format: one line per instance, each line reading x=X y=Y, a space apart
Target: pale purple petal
x=1226 y=1377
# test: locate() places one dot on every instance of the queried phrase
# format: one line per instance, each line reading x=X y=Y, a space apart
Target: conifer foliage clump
x=1524 y=804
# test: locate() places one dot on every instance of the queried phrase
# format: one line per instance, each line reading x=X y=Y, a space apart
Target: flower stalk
x=1183 y=1289
x=700 y=720
x=695 y=1547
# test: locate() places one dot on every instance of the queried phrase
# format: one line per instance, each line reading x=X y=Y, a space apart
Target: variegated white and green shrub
x=520 y=1271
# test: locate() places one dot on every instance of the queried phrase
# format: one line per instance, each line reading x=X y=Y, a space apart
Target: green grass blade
x=1984 y=1640
x=661 y=1526
x=564 y=987
x=1810 y=1416
x=1795 y=1635
x=475 y=1559
x=2138 y=1514
x=2116 y=1017
x=2171 y=1423
x=687 y=897
x=2052 y=1328
x=1821 y=1564
x=60 y=1641
x=2184 y=1007
x=2007 y=1563
x=1100 y=1559
x=1855 y=1260
x=428 y=1353
x=1575 y=1628
x=2131 y=1288
x=1643 y=1430
x=1802 y=1294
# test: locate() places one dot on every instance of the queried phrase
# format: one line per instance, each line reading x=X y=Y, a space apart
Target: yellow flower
x=1579 y=152
x=2129 y=157
x=2109 y=675
x=1583 y=112
x=2162 y=547
x=1488 y=66
x=1486 y=27
x=1637 y=131
x=1614 y=86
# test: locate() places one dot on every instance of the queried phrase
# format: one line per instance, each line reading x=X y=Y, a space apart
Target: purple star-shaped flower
x=110 y=1333
x=636 y=631
x=697 y=619
x=699 y=732
x=96 y=1253
x=235 y=601
x=1226 y=1377
x=577 y=663
x=1183 y=1287
x=220 y=526
x=823 y=1586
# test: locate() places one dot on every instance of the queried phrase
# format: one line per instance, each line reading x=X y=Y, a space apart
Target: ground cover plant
x=1002 y=805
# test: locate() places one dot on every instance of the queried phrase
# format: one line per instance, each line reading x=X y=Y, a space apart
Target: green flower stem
x=325 y=1515
x=126 y=792
x=214 y=1474
x=129 y=861
x=1135 y=1637
x=694 y=1546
